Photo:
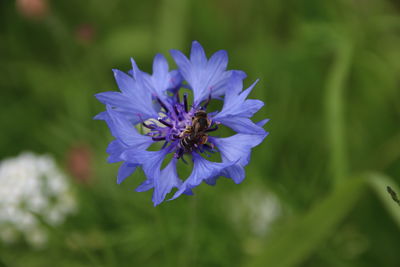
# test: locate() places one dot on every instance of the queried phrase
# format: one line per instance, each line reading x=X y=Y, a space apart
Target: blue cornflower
x=156 y=103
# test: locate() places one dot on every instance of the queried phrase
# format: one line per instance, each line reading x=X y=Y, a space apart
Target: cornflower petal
x=150 y=162
x=127 y=137
x=145 y=186
x=202 y=170
x=197 y=55
x=125 y=170
x=182 y=62
x=168 y=179
x=262 y=122
x=124 y=131
x=162 y=79
x=235 y=103
x=241 y=125
x=204 y=76
x=175 y=80
x=251 y=106
x=237 y=148
x=135 y=71
x=115 y=149
x=125 y=83
x=236 y=110
x=134 y=100
x=117 y=99
x=236 y=172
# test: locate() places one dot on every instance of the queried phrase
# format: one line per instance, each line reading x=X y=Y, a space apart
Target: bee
x=200 y=122
x=195 y=134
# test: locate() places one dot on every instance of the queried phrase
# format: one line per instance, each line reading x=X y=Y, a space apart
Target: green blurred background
x=315 y=192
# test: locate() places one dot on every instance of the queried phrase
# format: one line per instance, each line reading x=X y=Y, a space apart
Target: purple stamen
x=158 y=138
x=185 y=102
x=165 y=144
x=148 y=126
x=162 y=105
x=165 y=123
x=176 y=111
x=207 y=102
x=175 y=121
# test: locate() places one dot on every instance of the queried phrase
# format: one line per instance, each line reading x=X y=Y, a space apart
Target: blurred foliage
x=329 y=76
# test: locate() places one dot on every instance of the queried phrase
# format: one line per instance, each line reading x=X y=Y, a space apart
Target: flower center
x=187 y=130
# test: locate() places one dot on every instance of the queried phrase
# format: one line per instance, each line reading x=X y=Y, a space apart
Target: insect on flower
x=196 y=134
x=184 y=129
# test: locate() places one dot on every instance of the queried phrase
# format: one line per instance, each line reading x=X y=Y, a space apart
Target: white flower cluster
x=255 y=210
x=32 y=187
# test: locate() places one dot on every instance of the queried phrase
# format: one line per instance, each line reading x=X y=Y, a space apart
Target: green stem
x=378 y=183
x=335 y=111
x=296 y=241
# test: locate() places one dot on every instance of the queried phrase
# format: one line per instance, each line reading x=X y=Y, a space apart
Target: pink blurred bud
x=85 y=33
x=79 y=163
x=33 y=9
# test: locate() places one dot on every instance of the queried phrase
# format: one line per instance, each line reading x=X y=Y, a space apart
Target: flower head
x=184 y=129
x=31 y=186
